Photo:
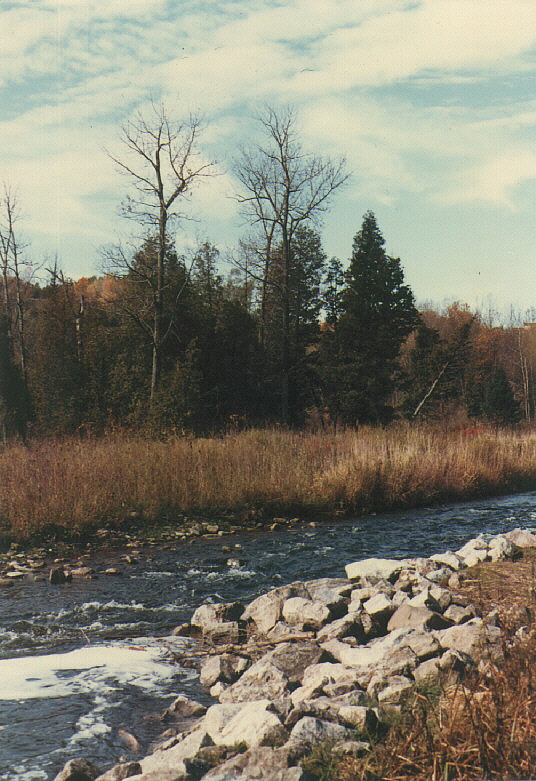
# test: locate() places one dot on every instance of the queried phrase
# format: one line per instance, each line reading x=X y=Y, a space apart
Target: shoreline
x=334 y=661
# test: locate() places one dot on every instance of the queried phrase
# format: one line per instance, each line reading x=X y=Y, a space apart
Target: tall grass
x=77 y=483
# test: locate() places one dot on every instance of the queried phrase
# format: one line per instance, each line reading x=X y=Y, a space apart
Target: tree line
x=164 y=342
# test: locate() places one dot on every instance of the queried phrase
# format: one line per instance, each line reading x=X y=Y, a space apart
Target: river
x=81 y=661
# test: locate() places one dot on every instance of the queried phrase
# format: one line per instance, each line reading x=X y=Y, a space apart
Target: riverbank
x=67 y=489
x=406 y=669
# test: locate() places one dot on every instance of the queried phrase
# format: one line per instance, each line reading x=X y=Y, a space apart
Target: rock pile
x=323 y=660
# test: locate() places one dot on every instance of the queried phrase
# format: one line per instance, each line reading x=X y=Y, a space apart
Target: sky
x=431 y=102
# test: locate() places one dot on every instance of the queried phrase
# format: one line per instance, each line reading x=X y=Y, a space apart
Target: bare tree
x=14 y=266
x=282 y=188
x=163 y=163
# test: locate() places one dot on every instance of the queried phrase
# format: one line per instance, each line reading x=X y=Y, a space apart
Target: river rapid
x=81 y=662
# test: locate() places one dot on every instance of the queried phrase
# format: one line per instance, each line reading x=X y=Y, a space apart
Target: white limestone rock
x=373 y=568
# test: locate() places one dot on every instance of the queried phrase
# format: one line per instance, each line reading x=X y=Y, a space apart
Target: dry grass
x=77 y=483
x=484 y=727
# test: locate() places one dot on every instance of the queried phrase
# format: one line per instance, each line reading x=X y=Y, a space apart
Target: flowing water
x=82 y=661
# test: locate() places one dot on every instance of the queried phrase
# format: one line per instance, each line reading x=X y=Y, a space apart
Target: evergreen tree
x=359 y=353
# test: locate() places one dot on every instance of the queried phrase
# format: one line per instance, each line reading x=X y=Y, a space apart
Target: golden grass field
x=77 y=483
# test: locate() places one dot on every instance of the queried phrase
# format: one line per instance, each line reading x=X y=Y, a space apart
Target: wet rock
x=82 y=571
x=78 y=770
x=184 y=707
x=266 y=610
x=207 y=617
x=59 y=575
x=112 y=572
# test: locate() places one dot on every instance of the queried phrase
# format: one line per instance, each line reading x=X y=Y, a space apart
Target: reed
x=77 y=483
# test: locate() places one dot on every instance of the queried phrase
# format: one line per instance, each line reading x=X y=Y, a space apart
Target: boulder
x=459 y=614
x=262 y=763
x=78 y=770
x=58 y=575
x=501 y=548
x=522 y=538
x=409 y=615
x=331 y=592
x=217 y=716
x=426 y=670
x=121 y=771
x=374 y=568
x=349 y=625
x=221 y=667
x=281 y=631
x=262 y=679
x=265 y=611
x=448 y=559
x=304 y=613
x=310 y=731
x=184 y=707
x=474 y=638
x=379 y=607
x=423 y=644
x=171 y=756
x=208 y=616
x=391 y=690
x=255 y=724
x=293 y=659
x=475 y=557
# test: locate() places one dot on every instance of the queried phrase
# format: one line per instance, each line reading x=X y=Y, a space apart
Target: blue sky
x=432 y=103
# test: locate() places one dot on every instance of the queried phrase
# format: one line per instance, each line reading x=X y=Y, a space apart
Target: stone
x=348 y=626
x=59 y=575
x=184 y=707
x=440 y=575
x=442 y=597
x=255 y=725
x=476 y=557
x=423 y=644
x=121 y=771
x=474 y=638
x=522 y=538
x=352 y=748
x=459 y=614
x=209 y=615
x=358 y=717
x=476 y=544
x=167 y=759
x=330 y=591
x=304 y=613
x=78 y=770
x=424 y=598
x=380 y=606
x=501 y=548
x=265 y=611
x=426 y=670
x=397 y=688
x=281 y=631
x=409 y=615
x=82 y=571
x=262 y=679
x=310 y=731
x=221 y=667
x=226 y=633
x=217 y=716
x=374 y=568
x=293 y=659
x=262 y=763
x=448 y=559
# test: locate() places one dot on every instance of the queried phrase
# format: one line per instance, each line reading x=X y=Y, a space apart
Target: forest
x=278 y=334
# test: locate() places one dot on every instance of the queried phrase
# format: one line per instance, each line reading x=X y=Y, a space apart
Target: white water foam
x=93 y=669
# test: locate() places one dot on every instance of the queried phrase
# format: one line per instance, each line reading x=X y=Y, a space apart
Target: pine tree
x=359 y=355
